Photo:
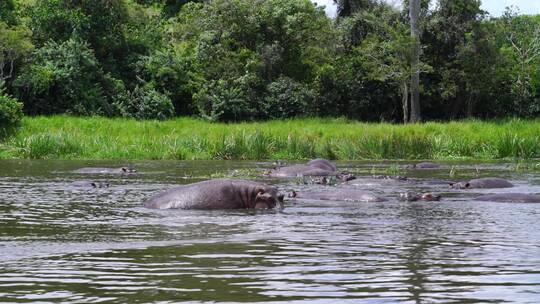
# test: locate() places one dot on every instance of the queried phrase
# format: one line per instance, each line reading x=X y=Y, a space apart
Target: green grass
x=64 y=137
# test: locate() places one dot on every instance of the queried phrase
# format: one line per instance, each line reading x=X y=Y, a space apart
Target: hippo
x=316 y=167
x=322 y=164
x=423 y=165
x=218 y=194
x=89 y=184
x=510 y=198
x=486 y=183
x=103 y=170
x=415 y=196
x=299 y=171
x=348 y=195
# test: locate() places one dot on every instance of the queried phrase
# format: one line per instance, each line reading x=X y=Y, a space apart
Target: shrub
x=287 y=98
x=224 y=100
x=10 y=110
x=145 y=103
x=64 y=78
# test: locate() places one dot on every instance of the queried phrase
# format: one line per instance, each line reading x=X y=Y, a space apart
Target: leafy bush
x=287 y=98
x=10 y=110
x=224 y=100
x=64 y=78
x=145 y=103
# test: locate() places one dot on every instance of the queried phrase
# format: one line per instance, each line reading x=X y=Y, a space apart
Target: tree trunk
x=405 y=101
x=414 y=12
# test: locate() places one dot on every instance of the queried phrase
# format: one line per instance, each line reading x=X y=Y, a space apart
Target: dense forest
x=235 y=60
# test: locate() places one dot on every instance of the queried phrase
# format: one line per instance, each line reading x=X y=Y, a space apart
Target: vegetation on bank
x=249 y=60
x=64 y=137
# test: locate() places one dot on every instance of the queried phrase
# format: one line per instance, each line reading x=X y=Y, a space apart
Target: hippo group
x=242 y=194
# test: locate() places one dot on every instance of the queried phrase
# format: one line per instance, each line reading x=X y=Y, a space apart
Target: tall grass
x=65 y=137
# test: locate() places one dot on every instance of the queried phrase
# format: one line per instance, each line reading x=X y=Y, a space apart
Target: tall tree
x=346 y=8
x=414 y=13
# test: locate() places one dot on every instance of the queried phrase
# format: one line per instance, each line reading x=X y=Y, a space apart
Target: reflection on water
x=64 y=244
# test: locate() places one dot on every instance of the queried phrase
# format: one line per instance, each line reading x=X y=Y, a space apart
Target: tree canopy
x=237 y=60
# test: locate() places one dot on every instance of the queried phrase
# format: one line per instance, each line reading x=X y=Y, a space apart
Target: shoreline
x=98 y=138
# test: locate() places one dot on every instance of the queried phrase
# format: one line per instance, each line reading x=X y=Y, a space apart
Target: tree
x=14 y=44
x=414 y=12
x=346 y=8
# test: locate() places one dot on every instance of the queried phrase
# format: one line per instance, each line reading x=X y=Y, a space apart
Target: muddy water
x=64 y=244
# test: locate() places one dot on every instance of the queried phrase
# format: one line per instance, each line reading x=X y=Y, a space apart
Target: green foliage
x=233 y=60
x=188 y=138
x=287 y=98
x=15 y=44
x=145 y=103
x=224 y=100
x=10 y=110
x=7 y=12
x=64 y=78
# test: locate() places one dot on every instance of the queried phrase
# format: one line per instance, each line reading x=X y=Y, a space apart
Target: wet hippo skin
x=104 y=170
x=349 y=195
x=217 y=194
x=483 y=183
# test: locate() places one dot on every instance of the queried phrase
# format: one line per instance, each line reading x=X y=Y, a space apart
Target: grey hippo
x=415 y=196
x=218 y=194
x=322 y=163
x=348 y=195
x=316 y=167
x=510 y=198
x=423 y=165
x=104 y=170
x=486 y=183
x=89 y=184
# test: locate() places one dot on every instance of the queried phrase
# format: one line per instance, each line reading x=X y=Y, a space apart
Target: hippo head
x=345 y=177
x=268 y=198
x=430 y=197
x=128 y=169
x=460 y=185
x=99 y=184
x=409 y=196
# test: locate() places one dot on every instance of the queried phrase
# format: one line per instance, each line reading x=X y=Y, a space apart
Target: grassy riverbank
x=63 y=137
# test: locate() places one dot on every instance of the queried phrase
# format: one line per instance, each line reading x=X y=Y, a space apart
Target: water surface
x=64 y=244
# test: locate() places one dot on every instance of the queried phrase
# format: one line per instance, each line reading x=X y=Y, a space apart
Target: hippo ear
x=124 y=169
x=281 y=197
x=467 y=185
x=451 y=185
x=93 y=184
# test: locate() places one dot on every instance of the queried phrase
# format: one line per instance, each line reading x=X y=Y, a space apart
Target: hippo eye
x=467 y=185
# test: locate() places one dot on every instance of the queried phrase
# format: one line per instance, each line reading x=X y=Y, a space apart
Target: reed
x=65 y=137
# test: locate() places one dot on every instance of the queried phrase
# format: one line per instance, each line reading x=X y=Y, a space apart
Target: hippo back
x=322 y=164
x=348 y=195
x=489 y=182
x=211 y=194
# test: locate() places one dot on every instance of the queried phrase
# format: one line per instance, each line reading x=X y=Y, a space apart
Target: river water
x=59 y=243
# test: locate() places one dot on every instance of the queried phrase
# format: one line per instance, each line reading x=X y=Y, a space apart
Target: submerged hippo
x=486 y=182
x=299 y=171
x=89 y=184
x=218 y=194
x=323 y=164
x=103 y=170
x=423 y=165
x=316 y=167
x=510 y=198
x=415 y=196
x=348 y=195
